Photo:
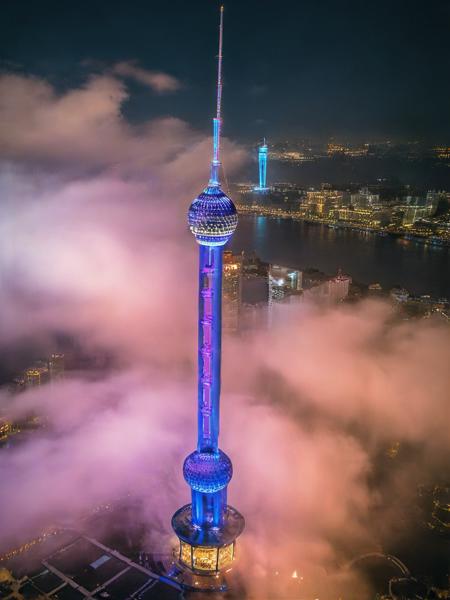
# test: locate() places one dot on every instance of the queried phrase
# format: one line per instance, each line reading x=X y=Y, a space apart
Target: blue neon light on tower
x=208 y=527
x=262 y=163
x=262 y=159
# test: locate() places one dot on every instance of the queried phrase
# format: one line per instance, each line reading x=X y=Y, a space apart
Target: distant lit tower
x=262 y=162
x=208 y=527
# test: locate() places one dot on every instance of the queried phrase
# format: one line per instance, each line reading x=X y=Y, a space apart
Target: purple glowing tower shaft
x=209 y=346
x=210 y=505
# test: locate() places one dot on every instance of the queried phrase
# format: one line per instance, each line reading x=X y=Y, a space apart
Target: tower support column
x=209 y=346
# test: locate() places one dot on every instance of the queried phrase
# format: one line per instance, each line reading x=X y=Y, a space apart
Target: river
x=367 y=257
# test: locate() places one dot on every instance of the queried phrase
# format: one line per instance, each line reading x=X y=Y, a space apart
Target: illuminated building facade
x=37 y=375
x=283 y=284
x=415 y=208
x=323 y=203
x=365 y=199
x=56 y=366
x=262 y=163
x=356 y=216
x=207 y=528
x=442 y=152
x=399 y=295
x=336 y=149
x=5 y=428
x=282 y=281
x=232 y=291
x=339 y=287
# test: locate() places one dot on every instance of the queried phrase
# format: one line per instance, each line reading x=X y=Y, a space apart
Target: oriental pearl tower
x=207 y=528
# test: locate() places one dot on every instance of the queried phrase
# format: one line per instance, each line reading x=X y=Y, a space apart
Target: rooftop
x=86 y=568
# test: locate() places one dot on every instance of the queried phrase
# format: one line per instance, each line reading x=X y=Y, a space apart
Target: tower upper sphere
x=212 y=217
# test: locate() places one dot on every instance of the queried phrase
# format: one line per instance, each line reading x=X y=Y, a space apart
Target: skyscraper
x=262 y=163
x=56 y=366
x=323 y=203
x=36 y=375
x=232 y=291
x=339 y=287
x=364 y=198
x=283 y=283
x=207 y=528
x=415 y=208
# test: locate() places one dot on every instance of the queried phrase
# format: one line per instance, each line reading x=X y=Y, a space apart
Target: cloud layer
x=94 y=244
x=85 y=128
x=160 y=82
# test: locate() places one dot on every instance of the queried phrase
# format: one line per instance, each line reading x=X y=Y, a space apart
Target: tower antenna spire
x=217 y=121
x=219 y=65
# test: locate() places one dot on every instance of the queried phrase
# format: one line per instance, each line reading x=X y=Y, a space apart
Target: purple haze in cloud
x=94 y=242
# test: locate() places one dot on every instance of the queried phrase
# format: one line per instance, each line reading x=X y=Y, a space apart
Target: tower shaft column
x=209 y=346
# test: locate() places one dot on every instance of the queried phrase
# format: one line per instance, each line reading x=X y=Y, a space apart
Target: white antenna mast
x=217 y=121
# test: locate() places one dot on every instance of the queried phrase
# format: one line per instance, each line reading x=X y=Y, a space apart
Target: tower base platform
x=193 y=582
x=205 y=553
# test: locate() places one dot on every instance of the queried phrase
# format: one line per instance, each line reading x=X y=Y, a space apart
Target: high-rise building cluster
x=283 y=282
x=353 y=150
x=325 y=202
x=41 y=372
x=366 y=207
x=231 y=291
x=416 y=208
x=299 y=151
x=264 y=289
x=6 y=428
x=425 y=216
x=254 y=292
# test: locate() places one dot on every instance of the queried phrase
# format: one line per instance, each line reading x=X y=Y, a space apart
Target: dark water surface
x=367 y=257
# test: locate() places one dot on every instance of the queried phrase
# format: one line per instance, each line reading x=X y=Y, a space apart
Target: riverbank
x=402 y=232
x=391 y=261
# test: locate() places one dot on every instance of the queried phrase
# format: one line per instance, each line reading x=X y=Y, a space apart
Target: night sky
x=356 y=70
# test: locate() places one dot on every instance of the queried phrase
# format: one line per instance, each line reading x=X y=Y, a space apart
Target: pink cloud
x=94 y=242
x=84 y=128
x=160 y=82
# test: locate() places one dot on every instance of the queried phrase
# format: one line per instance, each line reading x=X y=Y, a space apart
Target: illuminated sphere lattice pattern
x=212 y=217
x=207 y=472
